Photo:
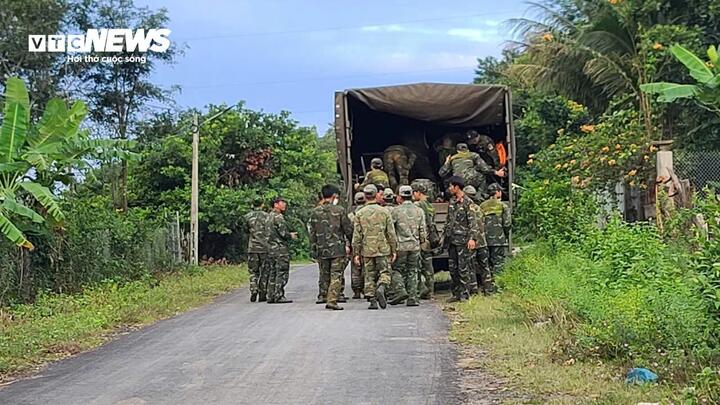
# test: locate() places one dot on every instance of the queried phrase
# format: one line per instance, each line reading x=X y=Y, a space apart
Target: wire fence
x=702 y=168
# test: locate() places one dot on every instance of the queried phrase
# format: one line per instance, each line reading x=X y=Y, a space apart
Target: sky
x=294 y=54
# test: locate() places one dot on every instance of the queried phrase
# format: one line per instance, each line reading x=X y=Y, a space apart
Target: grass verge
x=57 y=326
x=521 y=353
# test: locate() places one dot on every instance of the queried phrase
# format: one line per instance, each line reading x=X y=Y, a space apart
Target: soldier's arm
x=282 y=228
x=312 y=235
x=357 y=238
x=347 y=228
x=445 y=169
x=390 y=234
x=423 y=228
x=474 y=227
x=506 y=219
x=481 y=165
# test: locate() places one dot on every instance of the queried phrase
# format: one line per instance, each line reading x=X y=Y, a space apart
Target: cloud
x=384 y=28
x=474 y=34
x=492 y=23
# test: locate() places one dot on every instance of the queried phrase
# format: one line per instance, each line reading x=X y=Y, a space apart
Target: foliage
x=599 y=155
x=245 y=155
x=706 y=91
x=31 y=155
x=59 y=325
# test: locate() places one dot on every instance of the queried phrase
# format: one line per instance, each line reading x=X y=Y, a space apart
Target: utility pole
x=194 y=231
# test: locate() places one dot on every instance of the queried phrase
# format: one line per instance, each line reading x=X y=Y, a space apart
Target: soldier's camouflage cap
x=376 y=162
x=494 y=188
x=405 y=191
x=359 y=197
x=470 y=190
x=370 y=189
x=420 y=188
x=388 y=193
x=462 y=147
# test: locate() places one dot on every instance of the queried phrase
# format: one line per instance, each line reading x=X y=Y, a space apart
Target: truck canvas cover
x=449 y=104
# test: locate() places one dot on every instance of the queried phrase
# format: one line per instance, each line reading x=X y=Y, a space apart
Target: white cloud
x=385 y=28
x=492 y=23
x=473 y=34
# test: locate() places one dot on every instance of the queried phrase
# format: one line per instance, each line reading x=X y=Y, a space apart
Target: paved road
x=235 y=352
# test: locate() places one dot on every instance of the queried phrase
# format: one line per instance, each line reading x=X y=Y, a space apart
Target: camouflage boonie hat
x=370 y=189
x=470 y=190
x=405 y=191
x=376 y=162
x=462 y=147
x=359 y=197
x=388 y=194
x=494 y=188
x=419 y=187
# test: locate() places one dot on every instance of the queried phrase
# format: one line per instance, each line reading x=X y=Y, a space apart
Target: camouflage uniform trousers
x=397 y=280
x=257 y=266
x=278 y=274
x=462 y=271
x=377 y=273
x=325 y=276
x=426 y=274
x=397 y=166
x=496 y=258
x=482 y=270
x=407 y=264
x=334 y=269
x=357 y=282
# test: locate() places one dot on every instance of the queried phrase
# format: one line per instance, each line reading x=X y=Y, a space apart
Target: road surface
x=236 y=352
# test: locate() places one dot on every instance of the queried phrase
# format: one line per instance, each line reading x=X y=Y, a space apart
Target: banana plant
x=706 y=90
x=27 y=152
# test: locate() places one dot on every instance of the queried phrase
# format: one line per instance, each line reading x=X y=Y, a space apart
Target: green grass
x=522 y=354
x=57 y=326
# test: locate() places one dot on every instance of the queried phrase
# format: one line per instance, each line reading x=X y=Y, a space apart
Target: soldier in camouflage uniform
x=426 y=275
x=374 y=244
x=376 y=175
x=357 y=282
x=411 y=231
x=398 y=160
x=256 y=227
x=279 y=254
x=482 y=266
x=485 y=147
x=389 y=198
x=396 y=291
x=460 y=237
x=470 y=167
x=497 y=227
x=330 y=237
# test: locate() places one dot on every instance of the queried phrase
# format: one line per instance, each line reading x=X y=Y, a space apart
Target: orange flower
x=530 y=161
x=632 y=172
x=572 y=162
x=617 y=146
x=658 y=46
x=558 y=166
x=548 y=37
x=614 y=2
x=587 y=128
x=606 y=149
x=612 y=162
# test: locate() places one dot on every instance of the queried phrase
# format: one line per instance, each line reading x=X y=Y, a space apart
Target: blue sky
x=292 y=55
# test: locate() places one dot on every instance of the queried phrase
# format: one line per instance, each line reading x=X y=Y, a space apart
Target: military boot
x=342 y=299
x=398 y=299
x=356 y=295
x=380 y=295
x=262 y=297
x=282 y=300
x=253 y=296
x=412 y=302
x=373 y=304
x=334 y=307
x=321 y=301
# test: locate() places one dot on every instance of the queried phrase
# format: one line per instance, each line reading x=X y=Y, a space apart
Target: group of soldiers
x=390 y=239
x=268 y=252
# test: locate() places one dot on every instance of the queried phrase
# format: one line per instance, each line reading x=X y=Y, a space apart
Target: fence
x=702 y=168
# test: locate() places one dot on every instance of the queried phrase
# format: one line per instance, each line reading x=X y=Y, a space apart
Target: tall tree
x=117 y=93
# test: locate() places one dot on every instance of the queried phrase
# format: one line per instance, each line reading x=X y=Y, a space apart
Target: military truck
x=420 y=116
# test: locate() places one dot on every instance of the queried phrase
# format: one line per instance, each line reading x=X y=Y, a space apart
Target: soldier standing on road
x=470 y=167
x=396 y=293
x=256 y=227
x=374 y=245
x=482 y=266
x=497 y=227
x=460 y=237
x=426 y=275
x=330 y=238
x=411 y=231
x=376 y=175
x=279 y=253
x=398 y=160
x=357 y=282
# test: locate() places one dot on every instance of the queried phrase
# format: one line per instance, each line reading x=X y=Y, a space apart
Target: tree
x=118 y=93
